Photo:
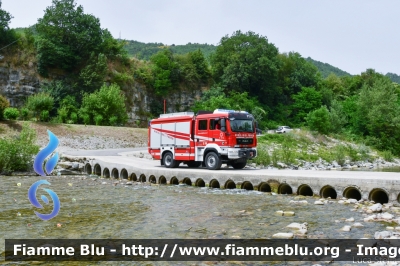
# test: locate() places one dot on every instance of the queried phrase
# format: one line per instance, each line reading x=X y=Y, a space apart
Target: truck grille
x=244 y=141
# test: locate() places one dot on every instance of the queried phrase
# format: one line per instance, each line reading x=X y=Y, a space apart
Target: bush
x=3 y=105
x=263 y=157
x=387 y=156
x=353 y=153
x=16 y=153
x=275 y=158
x=288 y=153
x=44 y=115
x=11 y=113
x=41 y=104
x=339 y=154
x=24 y=114
x=101 y=106
x=319 y=120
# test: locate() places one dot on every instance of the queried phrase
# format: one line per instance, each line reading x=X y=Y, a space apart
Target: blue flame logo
x=52 y=162
x=49 y=167
x=32 y=198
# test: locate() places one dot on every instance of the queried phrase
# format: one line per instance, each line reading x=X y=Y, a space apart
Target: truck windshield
x=242 y=125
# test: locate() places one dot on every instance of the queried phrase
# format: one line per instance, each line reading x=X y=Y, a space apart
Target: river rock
x=318 y=202
x=351 y=201
x=383 y=235
x=357 y=225
x=376 y=207
x=285 y=213
x=298 y=226
x=283 y=235
x=386 y=217
x=288 y=213
x=346 y=228
x=350 y=220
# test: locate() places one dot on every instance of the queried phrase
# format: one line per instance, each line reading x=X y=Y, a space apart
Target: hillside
x=393 y=77
x=146 y=50
x=326 y=69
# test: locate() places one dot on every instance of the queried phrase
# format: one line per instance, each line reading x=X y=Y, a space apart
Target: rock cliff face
x=17 y=83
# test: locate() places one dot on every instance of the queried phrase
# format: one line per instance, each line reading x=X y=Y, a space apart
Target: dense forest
x=90 y=74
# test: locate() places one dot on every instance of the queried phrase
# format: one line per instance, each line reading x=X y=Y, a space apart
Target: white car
x=283 y=129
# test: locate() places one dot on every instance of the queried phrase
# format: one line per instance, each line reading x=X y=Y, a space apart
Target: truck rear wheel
x=213 y=162
x=239 y=165
x=168 y=160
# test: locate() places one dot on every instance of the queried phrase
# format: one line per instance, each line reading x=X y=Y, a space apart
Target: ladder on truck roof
x=177 y=114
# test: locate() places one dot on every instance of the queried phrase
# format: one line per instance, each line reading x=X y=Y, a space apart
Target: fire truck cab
x=207 y=138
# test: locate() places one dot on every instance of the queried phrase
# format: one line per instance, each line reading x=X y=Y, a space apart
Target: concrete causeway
x=380 y=187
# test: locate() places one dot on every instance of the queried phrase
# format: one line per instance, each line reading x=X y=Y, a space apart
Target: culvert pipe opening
x=264 y=187
x=174 y=181
x=200 y=183
x=106 y=173
x=115 y=173
x=124 y=174
x=133 y=177
x=142 y=178
x=379 y=196
x=327 y=192
x=97 y=169
x=88 y=169
x=162 y=180
x=305 y=190
x=152 y=179
x=187 y=181
x=352 y=193
x=285 y=189
x=230 y=184
x=214 y=184
x=247 y=186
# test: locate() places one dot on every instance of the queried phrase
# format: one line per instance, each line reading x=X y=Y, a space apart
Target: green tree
x=165 y=71
x=307 y=100
x=67 y=37
x=200 y=64
x=104 y=107
x=319 y=120
x=337 y=116
x=247 y=62
x=7 y=35
x=378 y=114
x=40 y=104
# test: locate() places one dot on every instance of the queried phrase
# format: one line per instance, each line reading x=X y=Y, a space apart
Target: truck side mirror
x=223 y=125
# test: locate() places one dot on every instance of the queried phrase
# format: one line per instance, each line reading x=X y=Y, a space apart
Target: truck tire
x=168 y=160
x=239 y=165
x=193 y=164
x=213 y=162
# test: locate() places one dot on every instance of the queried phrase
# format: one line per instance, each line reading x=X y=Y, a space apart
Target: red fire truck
x=207 y=138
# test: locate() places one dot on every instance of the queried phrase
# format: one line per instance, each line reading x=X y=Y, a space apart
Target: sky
x=353 y=35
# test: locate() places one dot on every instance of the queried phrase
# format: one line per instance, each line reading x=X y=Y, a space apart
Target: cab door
x=214 y=132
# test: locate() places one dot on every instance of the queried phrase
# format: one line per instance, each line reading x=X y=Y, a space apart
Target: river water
x=93 y=210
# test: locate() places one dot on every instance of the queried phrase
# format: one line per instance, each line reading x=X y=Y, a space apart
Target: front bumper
x=238 y=153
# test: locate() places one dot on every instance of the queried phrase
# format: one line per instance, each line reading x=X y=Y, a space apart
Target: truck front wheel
x=213 y=162
x=168 y=160
x=239 y=165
